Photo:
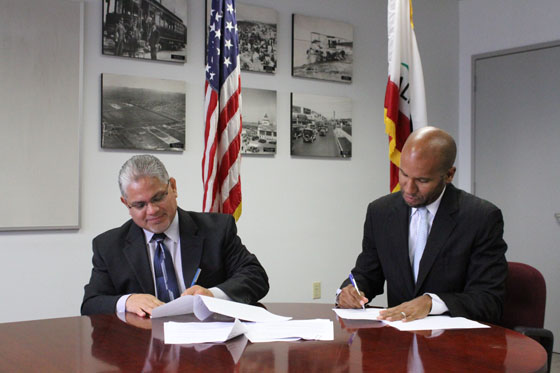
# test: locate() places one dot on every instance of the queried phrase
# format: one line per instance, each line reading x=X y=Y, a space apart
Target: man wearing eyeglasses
x=164 y=252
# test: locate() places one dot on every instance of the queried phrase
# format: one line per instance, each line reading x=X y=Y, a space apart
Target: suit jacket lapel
x=399 y=223
x=191 y=246
x=443 y=225
x=137 y=256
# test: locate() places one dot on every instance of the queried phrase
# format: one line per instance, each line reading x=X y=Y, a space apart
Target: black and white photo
x=257 y=38
x=142 y=113
x=321 y=126
x=259 y=134
x=257 y=28
x=322 y=49
x=145 y=29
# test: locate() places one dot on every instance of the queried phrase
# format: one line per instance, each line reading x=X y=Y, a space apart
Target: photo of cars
x=321 y=126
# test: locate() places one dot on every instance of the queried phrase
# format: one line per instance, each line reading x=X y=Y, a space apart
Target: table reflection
x=148 y=342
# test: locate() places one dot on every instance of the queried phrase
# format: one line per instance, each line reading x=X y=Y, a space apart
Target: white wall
x=302 y=217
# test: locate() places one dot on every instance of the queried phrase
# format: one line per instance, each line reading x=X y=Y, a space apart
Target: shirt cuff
x=121 y=303
x=338 y=291
x=438 y=306
x=219 y=293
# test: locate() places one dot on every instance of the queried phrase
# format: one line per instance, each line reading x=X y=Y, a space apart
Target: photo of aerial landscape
x=142 y=113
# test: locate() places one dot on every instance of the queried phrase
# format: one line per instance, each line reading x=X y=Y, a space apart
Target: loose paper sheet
x=437 y=322
x=358 y=313
x=204 y=306
x=428 y=323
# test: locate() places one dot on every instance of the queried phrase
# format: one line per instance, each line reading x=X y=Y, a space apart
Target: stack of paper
x=201 y=332
x=317 y=329
x=262 y=325
x=292 y=330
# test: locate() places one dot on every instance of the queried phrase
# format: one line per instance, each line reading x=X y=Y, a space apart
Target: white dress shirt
x=438 y=306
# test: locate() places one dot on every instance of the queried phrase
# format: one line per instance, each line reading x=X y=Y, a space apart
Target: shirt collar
x=432 y=207
x=172 y=232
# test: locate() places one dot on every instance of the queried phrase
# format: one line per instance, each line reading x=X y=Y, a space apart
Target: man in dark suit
x=155 y=256
x=153 y=41
x=459 y=270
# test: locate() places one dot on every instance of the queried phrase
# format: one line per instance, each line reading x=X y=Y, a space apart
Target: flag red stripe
x=234 y=199
x=209 y=162
x=228 y=111
x=392 y=100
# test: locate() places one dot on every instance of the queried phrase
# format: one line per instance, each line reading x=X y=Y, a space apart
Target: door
x=517 y=156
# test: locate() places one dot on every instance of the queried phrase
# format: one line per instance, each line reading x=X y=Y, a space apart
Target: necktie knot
x=159 y=237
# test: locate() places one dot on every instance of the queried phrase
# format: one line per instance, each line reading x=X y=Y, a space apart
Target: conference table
x=108 y=343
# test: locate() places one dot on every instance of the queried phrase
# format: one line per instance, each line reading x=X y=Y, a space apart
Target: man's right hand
x=349 y=298
x=142 y=304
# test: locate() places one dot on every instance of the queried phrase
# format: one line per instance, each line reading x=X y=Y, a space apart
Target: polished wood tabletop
x=106 y=343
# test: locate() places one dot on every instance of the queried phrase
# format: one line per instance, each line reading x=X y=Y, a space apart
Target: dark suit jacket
x=463 y=262
x=208 y=241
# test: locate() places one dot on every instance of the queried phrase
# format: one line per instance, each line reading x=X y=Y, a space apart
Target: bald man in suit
x=461 y=270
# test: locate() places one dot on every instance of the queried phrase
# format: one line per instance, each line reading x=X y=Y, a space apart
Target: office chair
x=524 y=305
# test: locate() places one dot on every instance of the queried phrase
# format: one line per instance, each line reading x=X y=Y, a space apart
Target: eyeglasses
x=155 y=200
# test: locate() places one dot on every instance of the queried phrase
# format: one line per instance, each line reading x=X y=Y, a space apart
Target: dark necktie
x=166 y=281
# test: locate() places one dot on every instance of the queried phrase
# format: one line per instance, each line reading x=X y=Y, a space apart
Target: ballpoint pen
x=351 y=277
x=195 y=277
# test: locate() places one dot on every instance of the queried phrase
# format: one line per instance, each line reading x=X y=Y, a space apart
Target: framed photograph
x=145 y=29
x=257 y=27
x=321 y=126
x=142 y=113
x=258 y=135
x=322 y=49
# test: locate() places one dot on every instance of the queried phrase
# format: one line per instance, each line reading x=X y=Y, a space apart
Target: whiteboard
x=40 y=105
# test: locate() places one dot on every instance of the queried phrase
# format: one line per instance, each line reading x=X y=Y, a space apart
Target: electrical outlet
x=317 y=290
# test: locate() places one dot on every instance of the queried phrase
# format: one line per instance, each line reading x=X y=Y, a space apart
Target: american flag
x=222 y=113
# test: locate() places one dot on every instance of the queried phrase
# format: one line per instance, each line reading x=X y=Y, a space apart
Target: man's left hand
x=196 y=289
x=415 y=309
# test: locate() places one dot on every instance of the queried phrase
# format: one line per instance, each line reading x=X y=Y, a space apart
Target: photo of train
x=146 y=29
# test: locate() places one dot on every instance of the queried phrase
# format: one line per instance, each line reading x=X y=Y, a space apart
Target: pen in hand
x=195 y=277
x=351 y=277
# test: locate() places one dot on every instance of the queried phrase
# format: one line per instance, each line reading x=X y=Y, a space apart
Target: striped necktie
x=166 y=280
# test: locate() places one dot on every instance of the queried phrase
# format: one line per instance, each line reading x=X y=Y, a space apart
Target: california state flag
x=405 y=99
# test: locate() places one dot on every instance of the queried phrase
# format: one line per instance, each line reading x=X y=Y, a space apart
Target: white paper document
x=201 y=332
x=436 y=322
x=358 y=313
x=317 y=329
x=203 y=306
x=290 y=330
x=233 y=309
x=180 y=306
x=428 y=323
